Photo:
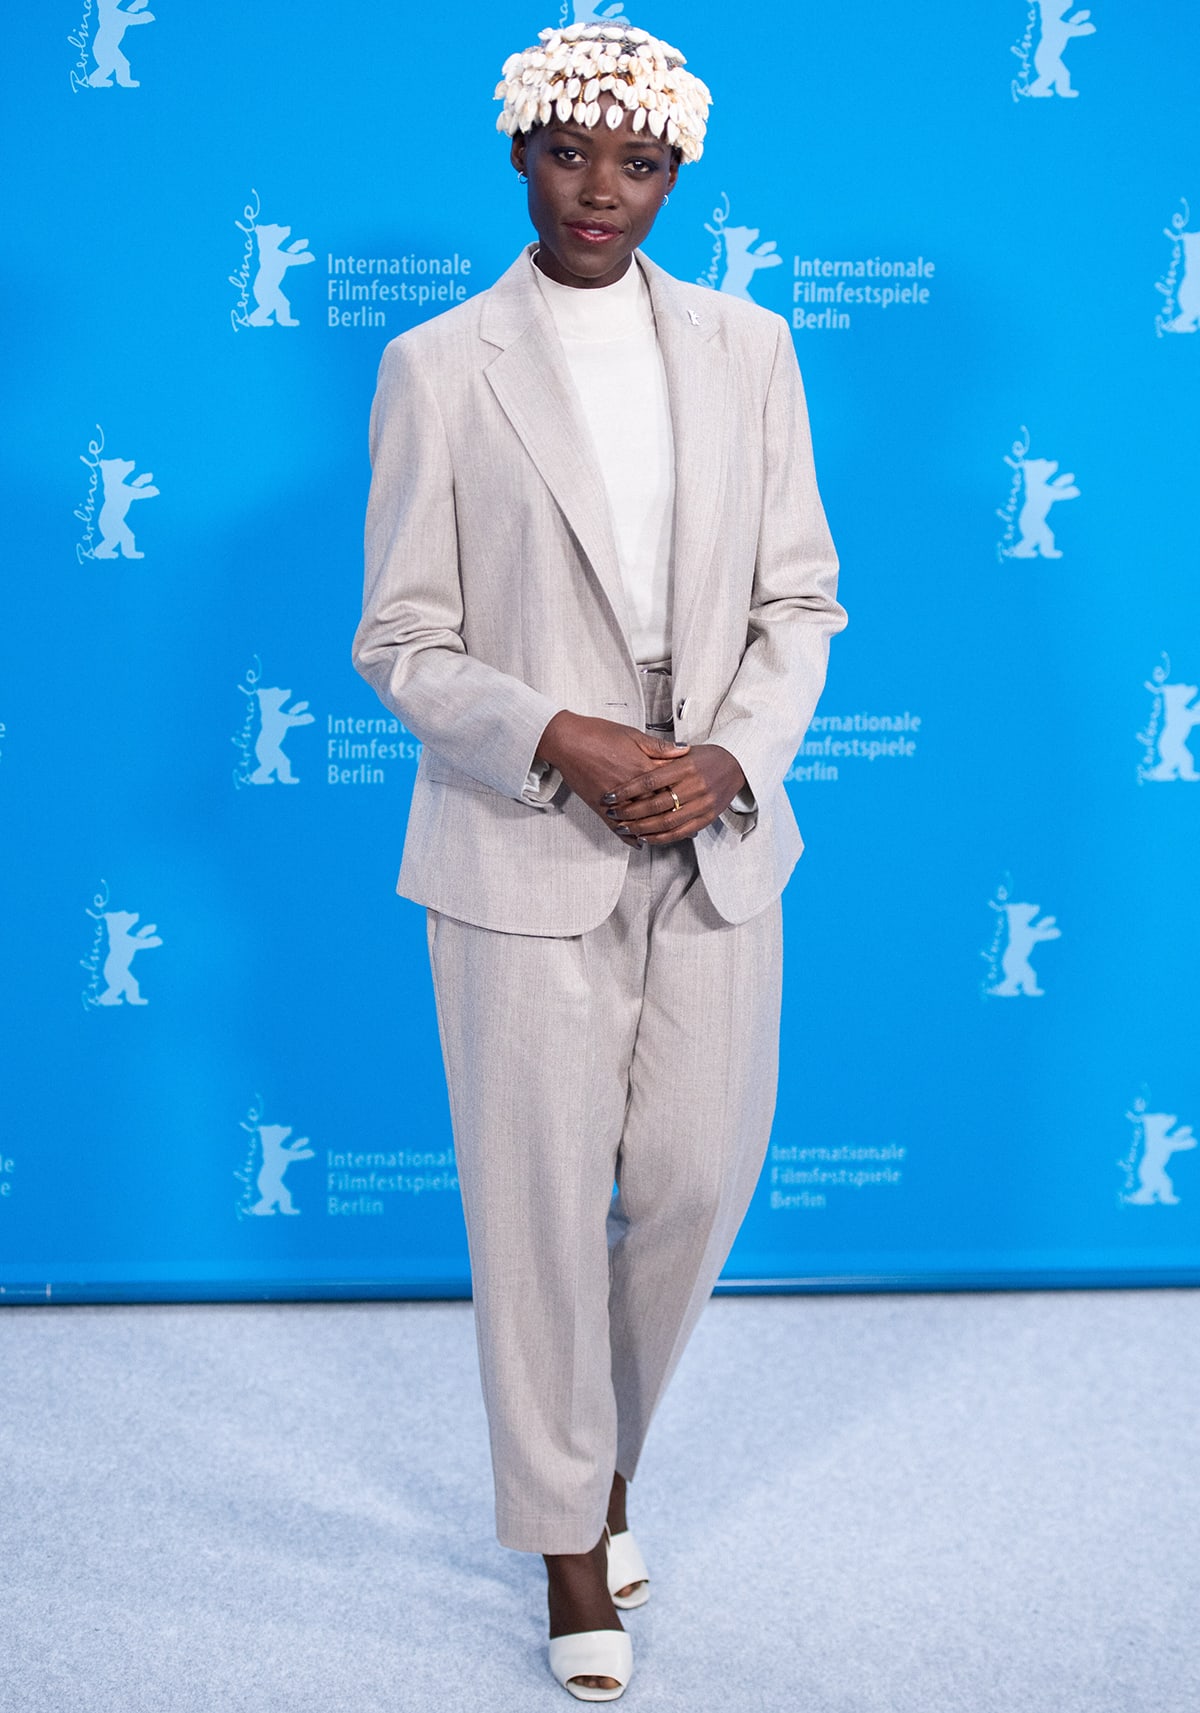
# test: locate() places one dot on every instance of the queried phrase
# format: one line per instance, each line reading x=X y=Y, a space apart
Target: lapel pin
x=693 y=318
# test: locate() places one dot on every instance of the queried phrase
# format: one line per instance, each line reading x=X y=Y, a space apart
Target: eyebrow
x=641 y=140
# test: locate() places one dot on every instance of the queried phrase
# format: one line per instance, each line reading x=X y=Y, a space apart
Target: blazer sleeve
x=409 y=643
x=793 y=611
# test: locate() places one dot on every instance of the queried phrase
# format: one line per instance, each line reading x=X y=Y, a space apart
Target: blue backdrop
x=222 y=1068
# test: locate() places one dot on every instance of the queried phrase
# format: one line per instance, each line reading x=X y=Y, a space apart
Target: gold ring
x=675 y=803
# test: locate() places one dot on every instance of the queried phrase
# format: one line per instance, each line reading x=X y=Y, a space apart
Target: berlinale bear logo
x=109 y=483
x=277 y=1155
x=273 y=263
x=1054 y=31
x=1026 y=516
x=737 y=254
x=1180 y=287
x=1018 y=930
x=275 y=721
x=607 y=12
x=269 y=1153
x=1156 y=1136
x=1166 y=755
x=105 y=51
x=120 y=983
x=1042 y=490
x=265 y=261
x=115 y=944
x=267 y=722
x=119 y=495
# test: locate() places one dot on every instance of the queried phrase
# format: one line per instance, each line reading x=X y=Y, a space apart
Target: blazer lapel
x=698 y=380
x=530 y=380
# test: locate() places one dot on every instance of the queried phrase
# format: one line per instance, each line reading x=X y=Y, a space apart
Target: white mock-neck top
x=611 y=349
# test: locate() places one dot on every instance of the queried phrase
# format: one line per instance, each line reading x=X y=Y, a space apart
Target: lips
x=593 y=231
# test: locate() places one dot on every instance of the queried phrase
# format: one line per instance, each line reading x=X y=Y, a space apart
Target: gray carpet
x=927 y=1504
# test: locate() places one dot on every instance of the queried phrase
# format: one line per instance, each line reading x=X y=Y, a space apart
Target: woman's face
x=593 y=194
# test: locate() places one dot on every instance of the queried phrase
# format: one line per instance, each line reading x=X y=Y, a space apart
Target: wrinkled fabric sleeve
x=409 y=643
x=794 y=611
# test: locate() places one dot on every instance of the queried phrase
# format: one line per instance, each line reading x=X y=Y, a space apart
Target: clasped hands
x=627 y=777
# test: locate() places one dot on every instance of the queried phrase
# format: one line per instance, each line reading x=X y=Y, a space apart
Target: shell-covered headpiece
x=566 y=73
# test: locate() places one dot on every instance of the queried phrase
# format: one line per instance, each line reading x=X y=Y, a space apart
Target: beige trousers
x=642 y=1055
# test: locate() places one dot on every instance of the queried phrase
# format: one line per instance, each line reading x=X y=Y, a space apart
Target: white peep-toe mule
x=626 y=1565
x=592 y=1653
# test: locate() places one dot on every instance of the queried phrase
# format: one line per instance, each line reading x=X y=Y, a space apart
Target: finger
x=666 y=774
x=628 y=837
x=667 y=827
x=652 y=807
x=689 y=786
x=672 y=828
x=673 y=834
x=651 y=743
x=665 y=789
x=695 y=815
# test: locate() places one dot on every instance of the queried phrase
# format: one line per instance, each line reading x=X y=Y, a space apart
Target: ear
x=673 y=173
x=517 y=153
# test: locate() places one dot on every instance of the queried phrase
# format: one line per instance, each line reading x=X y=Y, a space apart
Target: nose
x=600 y=187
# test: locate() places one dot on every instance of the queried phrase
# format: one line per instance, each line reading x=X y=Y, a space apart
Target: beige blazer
x=493 y=595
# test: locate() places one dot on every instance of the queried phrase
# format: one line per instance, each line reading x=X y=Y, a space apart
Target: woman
x=599 y=589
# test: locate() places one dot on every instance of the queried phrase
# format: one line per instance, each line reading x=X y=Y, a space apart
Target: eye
x=563 y=150
x=642 y=168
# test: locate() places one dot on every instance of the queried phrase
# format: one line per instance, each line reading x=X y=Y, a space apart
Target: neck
x=546 y=262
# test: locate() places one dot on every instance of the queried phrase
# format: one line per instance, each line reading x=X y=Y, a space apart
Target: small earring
x=522 y=179
x=665 y=201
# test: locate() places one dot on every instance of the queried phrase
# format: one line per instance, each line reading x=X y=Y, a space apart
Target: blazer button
x=681 y=709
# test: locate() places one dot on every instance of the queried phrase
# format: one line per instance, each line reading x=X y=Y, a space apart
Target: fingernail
x=610 y=813
x=609 y=797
